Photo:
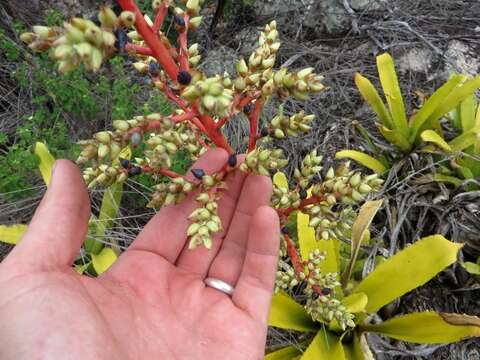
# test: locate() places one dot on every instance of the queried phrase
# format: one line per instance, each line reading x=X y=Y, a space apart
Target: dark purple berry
x=184 y=77
x=303 y=194
x=179 y=21
x=125 y=163
x=265 y=132
x=122 y=39
x=232 y=160
x=136 y=170
x=247 y=109
x=198 y=173
x=315 y=295
x=302 y=286
x=285 y=231
x=326 y=291
x=153 y=68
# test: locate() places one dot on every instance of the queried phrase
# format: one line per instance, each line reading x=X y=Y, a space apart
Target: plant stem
x=161 y=13
x=137 y=49
x=294 y=257
x=182 y=44
x=159 y=51
x=254 y=124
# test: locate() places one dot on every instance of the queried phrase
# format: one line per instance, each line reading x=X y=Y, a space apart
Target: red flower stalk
x=254 y=124
x=160 y=52
x=160 y=17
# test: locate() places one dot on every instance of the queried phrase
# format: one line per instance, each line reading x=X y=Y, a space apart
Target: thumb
x=59 y=225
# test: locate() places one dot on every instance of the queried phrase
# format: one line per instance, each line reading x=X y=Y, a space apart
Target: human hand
x=152 y=303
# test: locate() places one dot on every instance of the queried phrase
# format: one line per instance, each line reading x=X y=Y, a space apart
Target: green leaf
x=46 y=161
x=396 y=138
x=371 y=96
x=306 y=235
x=393 y=94
x=455 y=97
x=12 y=234
x=465 y=140
x=447 y=179
x=103 y=260
x=359 y=228
x=280 y=180
x=285 y=313
x=355 y=303
x=287 y=353
x=431 y=104
x=467 y=112
x=408 y=269
x=428 y=328
x=431 y=136
x=331 y=249
x=325 y=346
x=471 y=267
x=363 y=159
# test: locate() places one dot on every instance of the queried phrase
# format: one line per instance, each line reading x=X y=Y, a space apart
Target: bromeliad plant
x=203 y=104
x=408 y=133
x=319 y=297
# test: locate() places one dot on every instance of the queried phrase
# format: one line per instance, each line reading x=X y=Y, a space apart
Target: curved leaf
x=359 y=228
x=467 y=112
x=371 y=96
x=355 y=303
x=428 y=328
x=46 y=161
x=287 y=353
x=280 y=180
x=285 y=313
x=393 y=94
x=396 y=138
x=455 y=97
x=12 y=234
x=363 y=159
x=431 y=136
x=471 y=267
x=103 y=260
x=431 y=104
x=465 y=140
x=325 y=346
x=408 y=269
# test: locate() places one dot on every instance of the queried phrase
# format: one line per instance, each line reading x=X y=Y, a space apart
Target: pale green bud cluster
x=330 y=224
x=205 y=223
x=348 y=186
x=194 y=55
x=258 y=73
x=327 y=308
x=285 y=278
x=80 y=41
x=298 y=85
x=169 y=193
x=284 y=198
x=262 y=161
x=214 y=93
x=311 y=165
x=283 y=125
x=104 y=147
x=103 y=175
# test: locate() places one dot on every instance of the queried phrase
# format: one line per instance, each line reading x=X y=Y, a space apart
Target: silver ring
x=219 y=285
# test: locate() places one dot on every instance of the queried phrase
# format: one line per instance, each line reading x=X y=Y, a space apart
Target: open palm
x=153 y=303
